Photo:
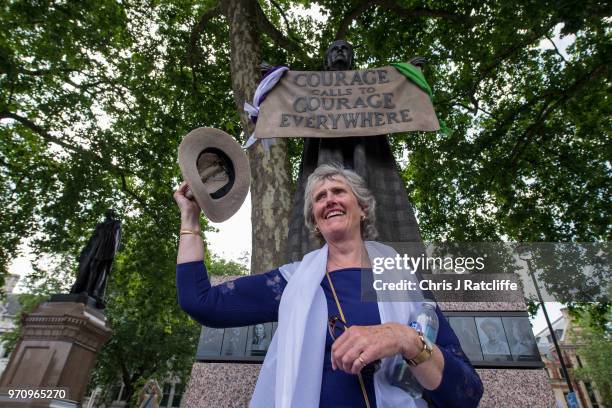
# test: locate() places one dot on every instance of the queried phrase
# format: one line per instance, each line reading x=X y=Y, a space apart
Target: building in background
x=9 y=308
x=587 y=394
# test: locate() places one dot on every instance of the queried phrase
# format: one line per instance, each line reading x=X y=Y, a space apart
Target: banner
x=344 y=103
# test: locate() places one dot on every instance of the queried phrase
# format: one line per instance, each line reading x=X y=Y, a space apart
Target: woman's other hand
x=361 y=345
x=190 y=210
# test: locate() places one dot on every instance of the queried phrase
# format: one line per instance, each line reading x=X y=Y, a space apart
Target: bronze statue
x=371 y=158
x=96 y=259
x=339 y=56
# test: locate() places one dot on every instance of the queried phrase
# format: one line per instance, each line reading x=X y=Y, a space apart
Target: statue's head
x=110 y=214
x=339 y=56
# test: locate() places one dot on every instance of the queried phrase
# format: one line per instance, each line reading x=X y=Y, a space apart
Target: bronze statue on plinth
x=61 y=338
x=96 y=259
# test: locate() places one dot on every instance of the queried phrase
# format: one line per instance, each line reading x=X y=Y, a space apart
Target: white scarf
x=292 y=370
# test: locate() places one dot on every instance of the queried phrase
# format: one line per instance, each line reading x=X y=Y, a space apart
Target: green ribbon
x=416 y=76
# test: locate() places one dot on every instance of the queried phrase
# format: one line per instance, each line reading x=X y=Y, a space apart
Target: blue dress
x=255 y=299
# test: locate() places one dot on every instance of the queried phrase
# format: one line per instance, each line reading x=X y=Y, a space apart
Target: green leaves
x=94 y=99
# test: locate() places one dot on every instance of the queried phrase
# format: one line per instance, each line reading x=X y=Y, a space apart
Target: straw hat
x=217 y=171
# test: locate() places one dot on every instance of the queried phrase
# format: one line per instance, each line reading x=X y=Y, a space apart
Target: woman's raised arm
x=244 y=301
x=191 y=246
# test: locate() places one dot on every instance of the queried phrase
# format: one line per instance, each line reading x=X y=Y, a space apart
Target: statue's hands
x=190 y=210
x=361 y=345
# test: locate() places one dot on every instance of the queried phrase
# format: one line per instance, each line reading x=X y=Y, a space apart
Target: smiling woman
x=330 y=189
x=310 y=363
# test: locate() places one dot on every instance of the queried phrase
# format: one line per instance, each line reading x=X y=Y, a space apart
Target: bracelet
x=424 y=354
x=191 y=232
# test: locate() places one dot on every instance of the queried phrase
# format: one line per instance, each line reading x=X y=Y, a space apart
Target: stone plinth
x=224 y=385
x=515 y=388
x=57 y=349
x=221 y=385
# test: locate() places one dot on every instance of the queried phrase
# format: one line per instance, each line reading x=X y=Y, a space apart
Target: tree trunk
x=128 y=383
x=270 y=182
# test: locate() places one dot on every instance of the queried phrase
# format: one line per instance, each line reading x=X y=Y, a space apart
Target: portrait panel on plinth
x=210 y=342
x=493 y=339
x=465 y=329
x=234 y=341
x=259 y=338
x=520 y=337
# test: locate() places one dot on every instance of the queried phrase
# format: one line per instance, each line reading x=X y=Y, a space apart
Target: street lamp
x=525 y=254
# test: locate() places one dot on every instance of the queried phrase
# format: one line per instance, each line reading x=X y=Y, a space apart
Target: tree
x=270 y=182
x=95 y=97
x=93 y=105
x=595 y=351
x=534 y=113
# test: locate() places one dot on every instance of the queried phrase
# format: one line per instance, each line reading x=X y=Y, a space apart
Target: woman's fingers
x=368 y=342
x=349 y=346
x=362 y=360
x=190 y=209
x=182 y=189
x=351 y=360
x=349 y=356
x=179 y=191
x=183 y=196
x=340 y=347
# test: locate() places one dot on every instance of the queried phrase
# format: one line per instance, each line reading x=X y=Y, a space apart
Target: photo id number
x=42 y=393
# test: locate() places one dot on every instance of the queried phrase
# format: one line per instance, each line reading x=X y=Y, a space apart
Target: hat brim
x=193 y=144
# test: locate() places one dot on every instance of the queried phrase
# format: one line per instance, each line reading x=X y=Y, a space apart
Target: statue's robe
x=372 y=159
x=96 y=259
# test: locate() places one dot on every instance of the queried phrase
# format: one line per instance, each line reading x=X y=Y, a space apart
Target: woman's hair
x=365 y=199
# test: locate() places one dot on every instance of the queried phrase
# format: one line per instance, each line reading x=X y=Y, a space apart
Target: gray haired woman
x=330 y=348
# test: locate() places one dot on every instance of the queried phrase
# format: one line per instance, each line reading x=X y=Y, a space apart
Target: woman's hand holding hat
x=190 y=244
x=190 y=210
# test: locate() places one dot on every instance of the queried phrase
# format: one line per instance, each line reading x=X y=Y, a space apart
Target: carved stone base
x=74 y=298
x=229 y=385
x=57 y=349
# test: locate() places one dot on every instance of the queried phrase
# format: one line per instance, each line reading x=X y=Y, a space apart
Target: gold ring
x=363 y=363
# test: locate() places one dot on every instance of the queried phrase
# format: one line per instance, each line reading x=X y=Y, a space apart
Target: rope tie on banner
x=416 y=76
x=268 y=82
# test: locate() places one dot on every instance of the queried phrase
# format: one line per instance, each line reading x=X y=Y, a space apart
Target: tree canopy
x=96 y=95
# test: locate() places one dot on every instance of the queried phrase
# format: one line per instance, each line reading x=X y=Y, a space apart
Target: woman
x=150 y=395
x=305 y=366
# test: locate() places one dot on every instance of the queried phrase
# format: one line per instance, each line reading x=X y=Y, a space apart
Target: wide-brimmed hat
x=217 y=171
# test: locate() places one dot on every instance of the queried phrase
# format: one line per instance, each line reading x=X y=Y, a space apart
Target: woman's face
x=336 y=211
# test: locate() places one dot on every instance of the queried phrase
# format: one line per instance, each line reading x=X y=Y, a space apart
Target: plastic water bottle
x=401 y=376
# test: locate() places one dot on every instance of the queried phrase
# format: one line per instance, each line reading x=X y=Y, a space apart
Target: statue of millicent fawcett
x=371 y=158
